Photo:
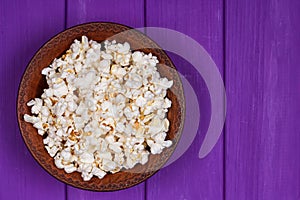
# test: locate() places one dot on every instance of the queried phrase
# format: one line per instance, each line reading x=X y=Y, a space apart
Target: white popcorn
x=98 y=172
x=108 y=164
x=115 y=148
x=86 y=157
x=70 y=168
x=155 y=148
x=129 y=163
x=45 y=111
x=41 y=132
x=31 y=119
x=72 y=106
x=156 y=126
x=137 y=57
x=36 y=105
x=66 y=155
x=149 y=95
x=60 y=89
x=167 y=143
x=102 y=109
x=52 y=151
x=38 y=125
x=58 y=162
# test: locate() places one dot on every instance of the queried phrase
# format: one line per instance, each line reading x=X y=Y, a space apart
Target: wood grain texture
x=131 y=13
x=24 y=27
x=262 y=79
x=128 y=12
x=189 y=177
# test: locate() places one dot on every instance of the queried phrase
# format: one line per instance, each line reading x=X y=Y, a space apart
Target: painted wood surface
x=263 y=90
x=261 y=44
x=24 y=27
x=189 y=177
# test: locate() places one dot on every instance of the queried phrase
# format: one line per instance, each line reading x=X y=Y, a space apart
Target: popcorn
x=98 y=172
x=70 y=168
x=103 y=107
x=86 y=158
x=31 y=119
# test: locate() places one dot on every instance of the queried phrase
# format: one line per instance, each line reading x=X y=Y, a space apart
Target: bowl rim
x=179 y=132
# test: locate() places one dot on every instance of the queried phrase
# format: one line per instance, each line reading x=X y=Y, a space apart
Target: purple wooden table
x=256 y=46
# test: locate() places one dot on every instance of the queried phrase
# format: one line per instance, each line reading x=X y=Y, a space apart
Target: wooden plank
x=189 y=177
x=262 y=79
x=128 y=12
x=131 y=13
x=24 y=27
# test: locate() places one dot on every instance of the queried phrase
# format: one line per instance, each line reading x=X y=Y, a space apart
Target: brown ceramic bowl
x=33 y=83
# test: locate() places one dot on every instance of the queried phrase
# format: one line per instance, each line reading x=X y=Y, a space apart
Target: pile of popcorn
x=105 y=108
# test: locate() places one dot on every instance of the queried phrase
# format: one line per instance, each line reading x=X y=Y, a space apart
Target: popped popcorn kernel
x=105 y=108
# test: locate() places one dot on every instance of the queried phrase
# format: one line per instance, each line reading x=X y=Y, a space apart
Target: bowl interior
x=33 y=83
